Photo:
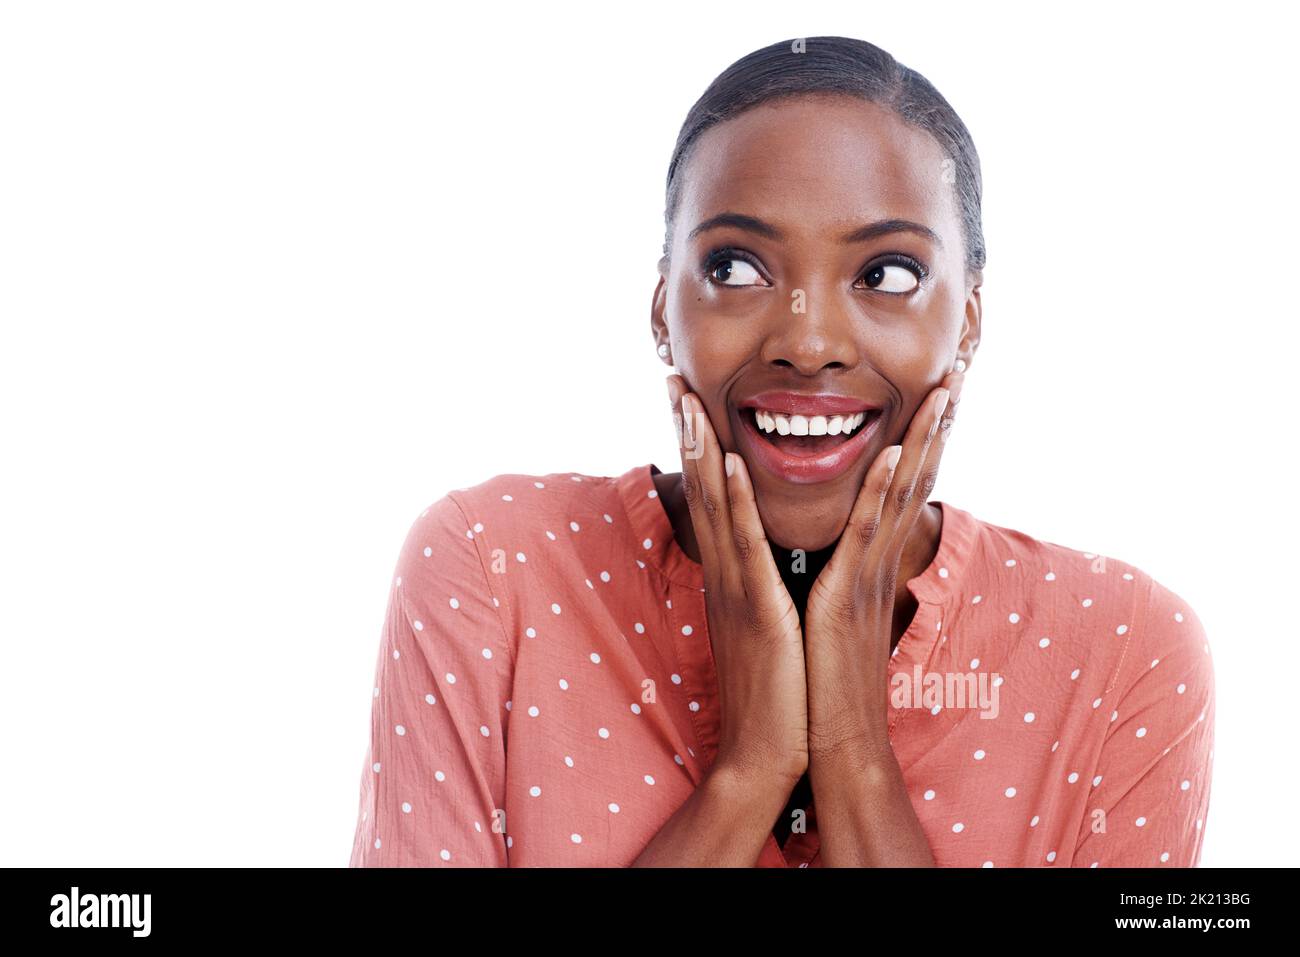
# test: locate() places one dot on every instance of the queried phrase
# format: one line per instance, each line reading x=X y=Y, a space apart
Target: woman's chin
x=812 y=526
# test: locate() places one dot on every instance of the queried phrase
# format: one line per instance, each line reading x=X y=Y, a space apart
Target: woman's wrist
x=753 y=780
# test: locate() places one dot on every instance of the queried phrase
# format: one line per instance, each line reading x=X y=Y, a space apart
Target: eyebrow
x=757 y=226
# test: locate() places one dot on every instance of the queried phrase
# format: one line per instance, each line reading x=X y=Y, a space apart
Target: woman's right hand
x=753 y=624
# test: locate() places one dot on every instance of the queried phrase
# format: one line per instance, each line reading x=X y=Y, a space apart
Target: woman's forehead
x=813 y=166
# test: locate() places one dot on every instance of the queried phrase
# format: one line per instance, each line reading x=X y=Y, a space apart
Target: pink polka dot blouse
x=545 y=693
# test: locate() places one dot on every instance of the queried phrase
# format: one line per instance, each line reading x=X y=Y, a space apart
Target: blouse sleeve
x=1154 y=789
x=433 y=783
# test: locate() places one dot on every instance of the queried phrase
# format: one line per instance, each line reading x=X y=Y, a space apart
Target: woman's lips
x=806 y=469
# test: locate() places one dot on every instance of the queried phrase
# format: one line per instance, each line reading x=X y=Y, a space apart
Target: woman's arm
x=1151 y=794
x=757 y=647
x=725 y=823
x=865 y=817
x=433 y=783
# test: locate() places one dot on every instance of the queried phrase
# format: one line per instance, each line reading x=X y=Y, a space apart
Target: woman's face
x=773 y=298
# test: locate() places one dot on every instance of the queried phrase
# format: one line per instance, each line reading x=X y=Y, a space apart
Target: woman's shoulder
x=458 y=547
x=1087 y=588
x=519 y=499
x=511 y=513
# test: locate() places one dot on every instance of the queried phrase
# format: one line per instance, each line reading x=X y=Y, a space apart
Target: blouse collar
x=657 y=546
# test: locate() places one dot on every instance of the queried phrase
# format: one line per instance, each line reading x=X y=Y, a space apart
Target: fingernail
x=955 y=394
x=892 y=458
x=940 y=404
x=672 y=391
x=729 y=461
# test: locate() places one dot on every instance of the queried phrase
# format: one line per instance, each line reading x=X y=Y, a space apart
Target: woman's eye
x=888 y=277
x=726 y=270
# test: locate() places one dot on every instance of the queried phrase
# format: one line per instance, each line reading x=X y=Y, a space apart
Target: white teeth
x=781 y=424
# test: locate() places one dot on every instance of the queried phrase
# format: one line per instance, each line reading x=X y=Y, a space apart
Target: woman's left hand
x=850 y=610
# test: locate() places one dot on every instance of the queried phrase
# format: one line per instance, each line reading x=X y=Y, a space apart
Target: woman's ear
x=658 y=325
x=970 y=332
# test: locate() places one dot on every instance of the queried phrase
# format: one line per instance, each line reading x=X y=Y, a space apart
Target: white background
x=276 y=276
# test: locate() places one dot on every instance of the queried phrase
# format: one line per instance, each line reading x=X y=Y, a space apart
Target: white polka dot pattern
x=1090 y=743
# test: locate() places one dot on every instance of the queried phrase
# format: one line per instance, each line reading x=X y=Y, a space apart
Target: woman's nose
x=810 y=343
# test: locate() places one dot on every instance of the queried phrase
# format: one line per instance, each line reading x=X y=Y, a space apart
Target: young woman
x=784 y=654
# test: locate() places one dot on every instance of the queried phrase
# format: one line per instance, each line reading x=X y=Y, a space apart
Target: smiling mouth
x=807 y=435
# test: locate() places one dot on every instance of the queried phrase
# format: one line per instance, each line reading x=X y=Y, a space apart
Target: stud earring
x=959 y=366
x=663 y=351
